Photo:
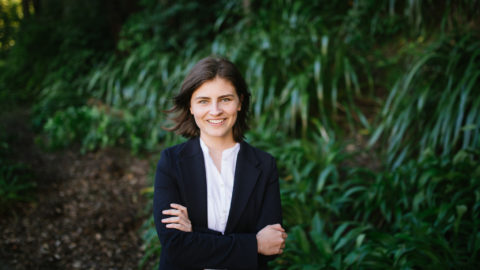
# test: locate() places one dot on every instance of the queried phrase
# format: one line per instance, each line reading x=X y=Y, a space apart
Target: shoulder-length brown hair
x=205 y=70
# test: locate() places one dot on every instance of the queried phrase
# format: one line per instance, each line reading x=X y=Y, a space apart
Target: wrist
x=259 y=247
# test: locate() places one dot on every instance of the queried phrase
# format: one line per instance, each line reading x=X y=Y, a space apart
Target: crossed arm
x=270 y=239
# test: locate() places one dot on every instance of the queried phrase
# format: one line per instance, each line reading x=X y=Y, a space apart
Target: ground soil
x=86 y=212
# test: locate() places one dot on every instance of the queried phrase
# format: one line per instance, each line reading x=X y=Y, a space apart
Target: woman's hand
x=271 y=240
x=180 y=220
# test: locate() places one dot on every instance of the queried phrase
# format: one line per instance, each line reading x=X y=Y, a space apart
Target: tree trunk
x=36 y=6
x=26 y=8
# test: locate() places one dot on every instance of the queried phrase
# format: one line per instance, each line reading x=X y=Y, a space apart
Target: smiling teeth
x=215 y=121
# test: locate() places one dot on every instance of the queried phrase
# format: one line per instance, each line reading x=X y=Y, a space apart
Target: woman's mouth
x=216 y=121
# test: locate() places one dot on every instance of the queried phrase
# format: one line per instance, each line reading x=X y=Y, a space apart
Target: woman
x=216 y=200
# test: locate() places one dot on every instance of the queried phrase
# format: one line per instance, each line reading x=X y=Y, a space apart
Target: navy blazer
x=181 y=178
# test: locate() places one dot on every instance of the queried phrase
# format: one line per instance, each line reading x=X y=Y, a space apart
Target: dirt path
x=87 y=212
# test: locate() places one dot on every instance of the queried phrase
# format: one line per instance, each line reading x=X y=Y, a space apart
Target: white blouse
x=219 y=186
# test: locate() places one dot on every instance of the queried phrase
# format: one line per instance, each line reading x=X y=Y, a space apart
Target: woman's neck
x=218 y=144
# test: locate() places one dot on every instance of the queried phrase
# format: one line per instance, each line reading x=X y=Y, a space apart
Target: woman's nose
x=215 y=108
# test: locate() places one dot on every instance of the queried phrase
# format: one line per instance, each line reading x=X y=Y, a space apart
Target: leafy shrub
x=422 y=213
x=435 y=105
x=323 y=79
x=100 y=126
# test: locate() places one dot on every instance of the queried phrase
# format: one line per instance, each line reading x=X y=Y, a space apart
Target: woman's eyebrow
x=222 y=96
x=202 y=98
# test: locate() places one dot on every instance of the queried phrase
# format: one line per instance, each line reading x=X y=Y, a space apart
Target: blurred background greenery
x=371 y=108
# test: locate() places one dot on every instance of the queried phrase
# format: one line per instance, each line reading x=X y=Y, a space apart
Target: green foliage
x=149 y=233
x=9 y=21
x=60 y=42
x=15 y=184
x=140 y=85
x=151 y=242
x=436 y=104
x=54 y=98
x=15 y=178
x=171 y=25
x=328 y=65
x=99 y=126
x=422 y=213
x=298 y=66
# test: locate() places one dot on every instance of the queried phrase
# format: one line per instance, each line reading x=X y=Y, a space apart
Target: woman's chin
x=217 y=134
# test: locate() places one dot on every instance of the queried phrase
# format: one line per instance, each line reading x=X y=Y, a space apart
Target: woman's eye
x=202 y=102
x=225 y=99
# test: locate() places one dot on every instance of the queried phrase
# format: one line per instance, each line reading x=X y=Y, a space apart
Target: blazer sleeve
x=196 y=249
x=271 y=210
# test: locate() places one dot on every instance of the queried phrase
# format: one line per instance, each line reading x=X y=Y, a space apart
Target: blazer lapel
x=246 y=175
x=194 y=182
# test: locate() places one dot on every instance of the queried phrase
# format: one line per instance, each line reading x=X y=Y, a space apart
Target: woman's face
x=215 y=105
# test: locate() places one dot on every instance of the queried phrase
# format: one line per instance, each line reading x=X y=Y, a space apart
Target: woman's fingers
x=177 y=216
x=180 y=208
x=271 y=240
x=179 y=219
x=176 y=220
x=177 y=226
x=171 y=220
x=277 y=227
x=177 y=211
x=175 y=223
x=172 y=212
